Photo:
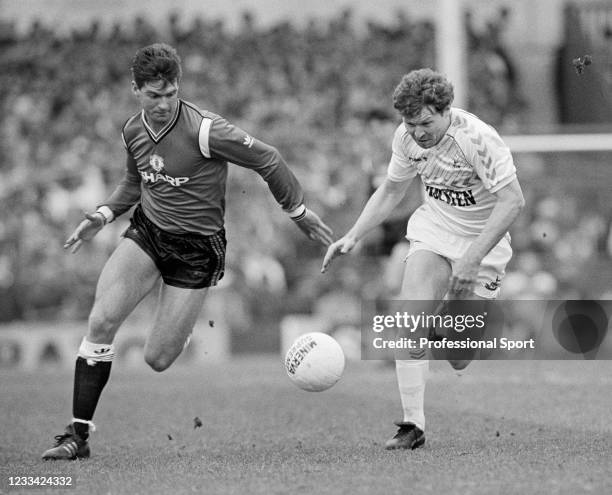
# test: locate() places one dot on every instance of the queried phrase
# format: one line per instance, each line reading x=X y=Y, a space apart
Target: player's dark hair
x=156 y=62
x=420 y=88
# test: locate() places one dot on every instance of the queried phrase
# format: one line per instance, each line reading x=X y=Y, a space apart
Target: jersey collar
x=157 y=136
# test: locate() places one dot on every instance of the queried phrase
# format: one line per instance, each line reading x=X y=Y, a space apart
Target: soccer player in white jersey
x=176 y=169
x=459 y=241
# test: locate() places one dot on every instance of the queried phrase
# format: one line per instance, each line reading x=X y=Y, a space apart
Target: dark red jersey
x=179 y=173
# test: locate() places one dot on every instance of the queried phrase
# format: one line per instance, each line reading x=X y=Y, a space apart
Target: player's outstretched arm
x=316 y=230
x=510 y=202
x=376 y=210
x=85 y=231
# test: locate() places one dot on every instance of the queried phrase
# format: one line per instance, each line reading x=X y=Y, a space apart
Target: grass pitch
x=500 y=428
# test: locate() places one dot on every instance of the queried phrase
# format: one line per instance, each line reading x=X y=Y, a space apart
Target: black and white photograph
x=307 y=247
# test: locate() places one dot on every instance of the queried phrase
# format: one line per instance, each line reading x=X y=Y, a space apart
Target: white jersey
x=459 y=174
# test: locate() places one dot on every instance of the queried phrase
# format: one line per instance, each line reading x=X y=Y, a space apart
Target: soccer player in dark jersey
x=176 y=170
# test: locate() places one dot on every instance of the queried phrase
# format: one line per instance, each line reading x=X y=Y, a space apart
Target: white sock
x=411 y=377
x=96 y=352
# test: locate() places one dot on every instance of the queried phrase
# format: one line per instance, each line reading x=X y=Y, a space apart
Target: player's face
x=158 y=99
x=428 y=128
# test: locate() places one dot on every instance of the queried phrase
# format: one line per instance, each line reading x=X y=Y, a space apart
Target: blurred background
x=315 y=80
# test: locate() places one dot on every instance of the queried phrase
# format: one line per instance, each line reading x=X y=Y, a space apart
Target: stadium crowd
x=319 y=92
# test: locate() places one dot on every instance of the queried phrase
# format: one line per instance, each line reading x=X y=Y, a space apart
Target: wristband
x=298 y=213
x=106 y=213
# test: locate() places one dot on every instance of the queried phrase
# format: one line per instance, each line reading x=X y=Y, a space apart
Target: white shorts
x=424 y=234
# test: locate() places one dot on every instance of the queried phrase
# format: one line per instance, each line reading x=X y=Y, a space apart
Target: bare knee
x=158 y=361
x=102 y=327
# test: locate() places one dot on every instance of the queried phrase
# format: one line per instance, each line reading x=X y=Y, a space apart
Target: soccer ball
x=314 y=362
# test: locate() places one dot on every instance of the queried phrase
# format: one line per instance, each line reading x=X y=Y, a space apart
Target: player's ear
x=135 y=88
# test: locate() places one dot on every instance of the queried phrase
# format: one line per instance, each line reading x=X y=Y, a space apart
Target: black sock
x=88 y=384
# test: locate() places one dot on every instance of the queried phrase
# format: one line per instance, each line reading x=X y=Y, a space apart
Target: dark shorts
x=190 y=261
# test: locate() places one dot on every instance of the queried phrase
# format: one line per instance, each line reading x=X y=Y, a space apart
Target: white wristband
x=297 y=211
x=107 y=213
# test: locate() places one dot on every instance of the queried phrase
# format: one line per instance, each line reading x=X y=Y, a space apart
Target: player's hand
x=338 y=248
x=463 y=280
x=314 y=228
x=85 y=231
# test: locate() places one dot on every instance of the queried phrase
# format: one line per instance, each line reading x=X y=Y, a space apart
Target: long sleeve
x=231 y=143
x=127 y=192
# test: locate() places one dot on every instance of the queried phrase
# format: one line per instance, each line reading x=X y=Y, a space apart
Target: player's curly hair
x=156 y=62
x=421 y=88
